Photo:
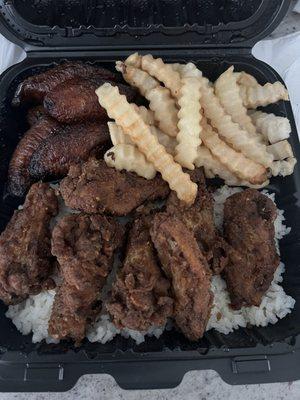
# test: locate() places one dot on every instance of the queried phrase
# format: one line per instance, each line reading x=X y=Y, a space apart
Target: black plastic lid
x=123 y=24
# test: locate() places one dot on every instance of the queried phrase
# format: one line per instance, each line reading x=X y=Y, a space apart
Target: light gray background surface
x=196 y=385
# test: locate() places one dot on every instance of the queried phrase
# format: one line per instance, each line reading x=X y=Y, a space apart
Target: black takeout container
x=214 y=34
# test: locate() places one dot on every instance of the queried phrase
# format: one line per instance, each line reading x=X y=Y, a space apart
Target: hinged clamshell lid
x=123 y=24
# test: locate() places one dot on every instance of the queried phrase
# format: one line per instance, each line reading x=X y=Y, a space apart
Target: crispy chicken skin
x=199 y=218
x=19 y=179
x=93 y=187
x=75 y=100
x=140 y=296
x=249 y=228
x=34 y=114
x=73 y=144
x=84 y=246
x=187 y=268
x=25 y=255
x=36 y=87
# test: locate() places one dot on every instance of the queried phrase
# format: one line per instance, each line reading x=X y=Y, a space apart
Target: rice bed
x=32 y=315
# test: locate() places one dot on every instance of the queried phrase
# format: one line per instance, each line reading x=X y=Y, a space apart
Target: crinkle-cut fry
x=137 y=78
x=213 y=168
x=118 y=108
x=230 y=131
x=188 y=70
x=135 y=60
x=283 y=167
x=245 y=79
x=147 y=115
x=160 y=99
x=127 y=156
x=163 y=72
x=189 y=118
x=235 y=161
x=118 y=136
x=256 y=96
x=272 y=127
x=281 y=150
x=228 y=92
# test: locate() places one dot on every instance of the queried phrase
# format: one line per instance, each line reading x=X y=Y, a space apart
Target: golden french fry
x=230 y=131
x=147 y=115
x=135 y=60
x=127 y=156
x=245 y=79
x=118 y=108
x=236 y=162
x=160 y=100
x=228 y=92
x=255 y=96
x=283 y=167
x=213 y=168
x=163 y=72
x=189 y=126
x=272 y=127
x=281 y=150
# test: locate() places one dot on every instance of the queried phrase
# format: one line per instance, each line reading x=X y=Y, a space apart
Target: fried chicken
x=19 y=179
x=25 y=257
x=199 y=218
x=249 y=228
x=73 y=144
x=75 y=100
x=187 y=268
x=93 y=187
x=140 y=296
x=84 y=246
x=36 y=87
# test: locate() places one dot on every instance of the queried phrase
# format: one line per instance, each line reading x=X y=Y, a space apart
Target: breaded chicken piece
x=93 y=187
x=187 y=268
x=84 y=246
x=36 y=87
x=19 y=179
x=25 y=256
x=140 y=296
x=76 y=101
x=199 y=218
x=249 y=229
x=72 y=144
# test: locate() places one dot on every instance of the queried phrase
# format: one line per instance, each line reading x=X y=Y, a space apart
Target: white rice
x=33 y=314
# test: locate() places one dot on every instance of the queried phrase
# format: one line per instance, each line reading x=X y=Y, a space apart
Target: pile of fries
x=194 y=123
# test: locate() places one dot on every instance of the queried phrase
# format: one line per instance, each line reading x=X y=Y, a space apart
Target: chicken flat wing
x=140 y=296
x=199 y=218
x=75 y=100
x=249 y=228
x=186 y=266
x=73 y=144
x=84 y=246
x=93 y=187
x=36 y=87
x=25 y=255
x=19 y=179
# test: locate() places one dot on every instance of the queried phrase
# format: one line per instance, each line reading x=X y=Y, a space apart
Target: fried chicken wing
x=199 y=218
x=36 y=87
x=186 y=266
x=140 y=296
x=75 y=100
x=73 y=144
x=84 y=246
x=249 y=228
x=93 y=187
x=19 y=179
x=25 y=256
